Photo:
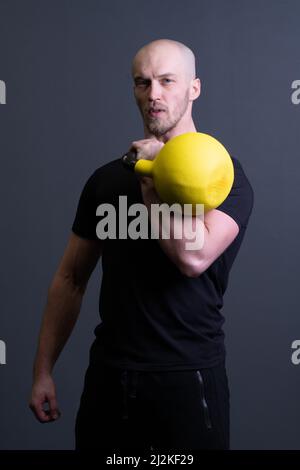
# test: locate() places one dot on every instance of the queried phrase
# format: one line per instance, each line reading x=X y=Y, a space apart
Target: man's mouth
x=155 y=112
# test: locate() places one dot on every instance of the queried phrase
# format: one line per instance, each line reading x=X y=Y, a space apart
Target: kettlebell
x=191 y=168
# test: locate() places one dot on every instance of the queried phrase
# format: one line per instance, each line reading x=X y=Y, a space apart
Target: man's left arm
x=219 y=231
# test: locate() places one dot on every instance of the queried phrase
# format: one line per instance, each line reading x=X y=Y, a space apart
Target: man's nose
x=154 y=91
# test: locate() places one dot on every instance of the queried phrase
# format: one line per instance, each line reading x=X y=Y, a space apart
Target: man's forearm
x=175 y=248
x=61 y=312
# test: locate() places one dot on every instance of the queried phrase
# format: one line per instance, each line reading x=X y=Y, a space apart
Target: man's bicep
x=221 y=231
x=79 y=259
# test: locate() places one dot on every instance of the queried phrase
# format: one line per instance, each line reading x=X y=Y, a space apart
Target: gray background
x=70 y=108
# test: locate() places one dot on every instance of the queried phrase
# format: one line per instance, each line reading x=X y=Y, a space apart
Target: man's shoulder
x=110 y=173
x=239 y=202
x=236 y=162
x=112 y=167
x=110 y=180
x=240 y=176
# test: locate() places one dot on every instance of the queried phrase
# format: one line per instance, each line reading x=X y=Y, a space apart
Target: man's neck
x=190 y=127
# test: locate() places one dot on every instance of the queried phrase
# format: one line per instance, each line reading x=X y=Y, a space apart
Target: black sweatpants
x=126 y=409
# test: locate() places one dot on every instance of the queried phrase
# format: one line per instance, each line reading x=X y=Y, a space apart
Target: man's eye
x=141 y=83
x=167 y=80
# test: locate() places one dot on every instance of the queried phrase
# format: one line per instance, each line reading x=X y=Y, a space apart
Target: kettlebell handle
x=129 y=159
x=140 y=166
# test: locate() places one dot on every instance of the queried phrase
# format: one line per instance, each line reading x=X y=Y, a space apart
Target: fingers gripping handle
x=129 y=159
x=141 y=166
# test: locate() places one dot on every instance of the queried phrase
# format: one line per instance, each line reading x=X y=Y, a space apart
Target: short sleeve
x=240 y=200
x=85 y=221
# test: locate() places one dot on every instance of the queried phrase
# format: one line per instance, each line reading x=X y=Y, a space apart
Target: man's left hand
x=147 y=149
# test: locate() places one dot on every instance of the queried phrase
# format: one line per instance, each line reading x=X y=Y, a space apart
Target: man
x=157 y=376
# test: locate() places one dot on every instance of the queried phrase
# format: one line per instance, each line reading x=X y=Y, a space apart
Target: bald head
x=165 y=87
x=181 y=55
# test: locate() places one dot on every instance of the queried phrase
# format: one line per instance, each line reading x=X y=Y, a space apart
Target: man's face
x=161 y=89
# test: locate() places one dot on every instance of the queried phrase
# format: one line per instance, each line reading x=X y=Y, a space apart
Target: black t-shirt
x=153 y=316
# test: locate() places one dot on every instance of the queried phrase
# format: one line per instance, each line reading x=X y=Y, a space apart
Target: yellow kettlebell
x=191 y=168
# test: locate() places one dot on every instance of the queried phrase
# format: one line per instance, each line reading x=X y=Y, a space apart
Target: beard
x=161 y=125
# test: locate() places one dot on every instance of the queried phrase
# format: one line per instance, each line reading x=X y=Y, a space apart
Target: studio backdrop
x=67 y=107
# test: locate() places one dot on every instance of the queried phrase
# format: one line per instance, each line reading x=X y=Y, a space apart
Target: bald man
x=156 y=378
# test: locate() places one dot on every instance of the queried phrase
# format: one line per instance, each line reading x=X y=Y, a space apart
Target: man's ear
x=195 y=89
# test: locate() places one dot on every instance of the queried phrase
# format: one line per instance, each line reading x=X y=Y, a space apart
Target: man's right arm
x=61 y=312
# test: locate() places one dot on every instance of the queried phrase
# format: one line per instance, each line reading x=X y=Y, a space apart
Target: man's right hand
x=43 y=399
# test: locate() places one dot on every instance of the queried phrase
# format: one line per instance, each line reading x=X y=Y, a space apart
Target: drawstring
x=124 y=384
x=132 y=392
x=129 y=384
